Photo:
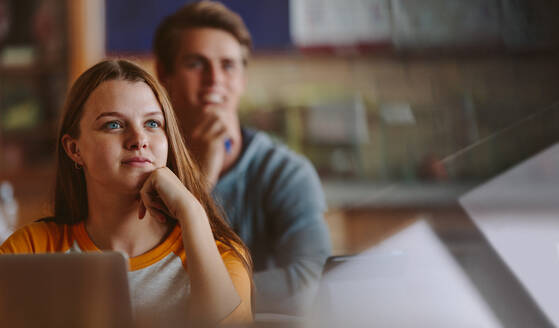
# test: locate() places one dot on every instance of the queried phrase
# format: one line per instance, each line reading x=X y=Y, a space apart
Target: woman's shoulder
x=43 y=235
x=241 y=278
x=231 y=252
x=45 y=226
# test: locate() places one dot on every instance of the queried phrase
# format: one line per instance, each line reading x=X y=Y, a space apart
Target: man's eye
x=228 y=65
x=113 y=125
x=153 y=124
x=194 y=64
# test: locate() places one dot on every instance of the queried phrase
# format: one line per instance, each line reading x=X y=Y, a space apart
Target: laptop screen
x=515 y=210
x=64 y=290
x=518 y=213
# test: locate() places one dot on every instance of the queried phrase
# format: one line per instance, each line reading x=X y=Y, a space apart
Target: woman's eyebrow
x=154 y=113
x=108 y=114
x=157 y=113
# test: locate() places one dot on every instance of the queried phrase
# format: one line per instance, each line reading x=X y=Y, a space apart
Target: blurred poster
x=339 y=23
x=339 y=122
x=445 y=23
x=528 y=24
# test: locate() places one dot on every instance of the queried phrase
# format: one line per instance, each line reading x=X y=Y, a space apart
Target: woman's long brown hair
x=70 y=195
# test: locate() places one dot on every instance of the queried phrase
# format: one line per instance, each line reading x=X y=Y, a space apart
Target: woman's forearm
x=213 y=295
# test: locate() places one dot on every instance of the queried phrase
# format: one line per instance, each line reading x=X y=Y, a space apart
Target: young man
x=271 y=196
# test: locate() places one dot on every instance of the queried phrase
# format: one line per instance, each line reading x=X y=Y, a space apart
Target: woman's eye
x=152 y=124
x=113 y=125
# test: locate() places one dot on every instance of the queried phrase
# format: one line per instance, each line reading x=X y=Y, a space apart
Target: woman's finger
x=142 y=210
x=158 y=214
x=151 y=202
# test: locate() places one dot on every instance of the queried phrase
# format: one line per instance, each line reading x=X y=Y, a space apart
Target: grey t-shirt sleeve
x=294 y=206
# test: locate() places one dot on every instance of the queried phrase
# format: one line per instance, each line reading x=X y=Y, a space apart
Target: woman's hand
x=163 y=195
x=212 y=295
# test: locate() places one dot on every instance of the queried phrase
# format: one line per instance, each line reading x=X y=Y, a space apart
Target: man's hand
x=208 y=142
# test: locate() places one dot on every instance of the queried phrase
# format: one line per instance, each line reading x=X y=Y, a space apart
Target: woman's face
x=122 y=136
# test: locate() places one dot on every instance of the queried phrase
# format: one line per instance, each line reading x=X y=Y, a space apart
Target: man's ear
x=245 y=81
x=161 y=75
x=72 y=149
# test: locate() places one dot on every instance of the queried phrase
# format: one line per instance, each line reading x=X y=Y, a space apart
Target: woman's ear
x=72 y=149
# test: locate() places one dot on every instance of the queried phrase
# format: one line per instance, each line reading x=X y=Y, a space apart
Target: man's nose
x=213 y=74
x=136 y=139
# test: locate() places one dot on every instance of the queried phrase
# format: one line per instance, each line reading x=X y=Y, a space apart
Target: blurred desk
x=359 y=194
x=362 y=214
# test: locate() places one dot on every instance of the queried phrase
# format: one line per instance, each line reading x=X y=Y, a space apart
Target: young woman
x=125 y=182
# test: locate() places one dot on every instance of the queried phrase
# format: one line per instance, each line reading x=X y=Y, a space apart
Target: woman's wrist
x=190 y=214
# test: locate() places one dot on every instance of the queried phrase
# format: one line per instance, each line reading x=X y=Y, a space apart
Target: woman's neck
x=113 y=224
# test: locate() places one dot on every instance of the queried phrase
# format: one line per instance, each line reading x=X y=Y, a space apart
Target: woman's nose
x=136 y=139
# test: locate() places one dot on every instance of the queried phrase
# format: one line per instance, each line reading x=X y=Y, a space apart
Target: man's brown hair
x=200 y=14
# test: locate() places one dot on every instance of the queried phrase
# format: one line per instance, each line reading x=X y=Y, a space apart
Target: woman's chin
x=127 y=182
x=133 y=183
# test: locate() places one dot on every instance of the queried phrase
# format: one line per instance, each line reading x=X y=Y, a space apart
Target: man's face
x=208 y=73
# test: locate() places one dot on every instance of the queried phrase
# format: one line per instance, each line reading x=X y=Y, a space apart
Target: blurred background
x=401 y=105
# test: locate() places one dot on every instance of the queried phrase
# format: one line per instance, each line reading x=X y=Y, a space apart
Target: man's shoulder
x=267 y=164
x=268 y=151
x=276 y=167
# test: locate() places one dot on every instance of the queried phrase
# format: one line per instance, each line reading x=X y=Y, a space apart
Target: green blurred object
x=20 y=116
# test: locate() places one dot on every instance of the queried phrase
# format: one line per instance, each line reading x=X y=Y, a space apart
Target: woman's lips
x=137 y=161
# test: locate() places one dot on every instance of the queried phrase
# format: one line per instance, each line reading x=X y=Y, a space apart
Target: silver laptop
x=518 y=214
x=501 y=270
x=64 y=290
x=409 y=280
